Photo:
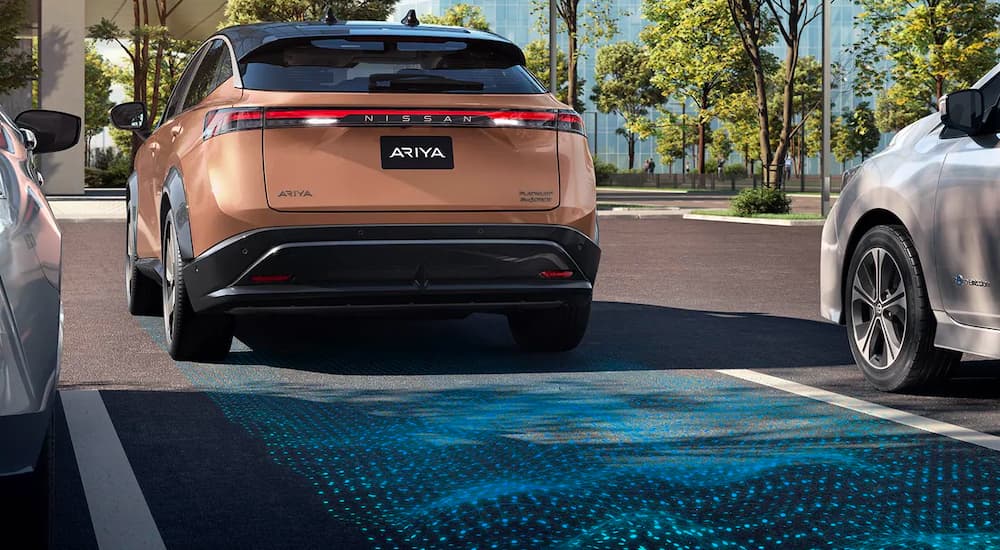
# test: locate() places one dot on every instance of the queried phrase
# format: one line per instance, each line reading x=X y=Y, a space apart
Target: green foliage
x=624 y=87
x=17 y=65
x=933 y=47
x=734 y=171
x=863 y=135
x=537 y=55
x=111 y=169
x=242 y=12
x=604 y=170
x=97 y=92
x=589 y=25
x=673 y=132
x=721 y=147
x=695 y=53
x=460 y=15
x=762 y=200
x=149 y=47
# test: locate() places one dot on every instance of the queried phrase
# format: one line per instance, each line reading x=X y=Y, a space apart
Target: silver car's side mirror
x=963 y=111
x=29 y=138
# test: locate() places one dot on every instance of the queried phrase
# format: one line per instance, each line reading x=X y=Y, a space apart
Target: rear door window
x=387 y=65
x=206 y=79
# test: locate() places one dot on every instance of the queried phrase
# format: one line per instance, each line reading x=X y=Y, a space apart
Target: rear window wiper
x=419 y=82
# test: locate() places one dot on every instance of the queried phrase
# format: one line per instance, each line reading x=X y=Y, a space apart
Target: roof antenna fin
x=411 y=19
x=330 y=18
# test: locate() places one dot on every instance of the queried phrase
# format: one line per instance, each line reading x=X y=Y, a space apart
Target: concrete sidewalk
x=88 y=209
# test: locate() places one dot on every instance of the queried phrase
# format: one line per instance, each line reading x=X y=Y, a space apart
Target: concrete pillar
x=62 y=30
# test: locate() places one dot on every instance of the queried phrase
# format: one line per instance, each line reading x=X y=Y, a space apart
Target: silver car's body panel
x=945 y=190
x=30 y=267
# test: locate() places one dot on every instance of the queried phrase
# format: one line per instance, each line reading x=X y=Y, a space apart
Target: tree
x=696 y=55
x=933 y=45
x=754 y=24
x=790 y=17
x=242 y=12
x=738 y=113
x=142 y=36
x=583 y=27
x=97 y=94
x=672 y=132
x=17 y=66
x=624 y=87
x=862 y=135
x=537 y=55
x=460 y=15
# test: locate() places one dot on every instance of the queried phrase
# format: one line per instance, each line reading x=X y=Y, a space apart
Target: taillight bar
x=223 y=121
x=228 y=120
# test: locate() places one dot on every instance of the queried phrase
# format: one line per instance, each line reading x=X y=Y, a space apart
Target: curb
x=755 y=221
x=641 y=213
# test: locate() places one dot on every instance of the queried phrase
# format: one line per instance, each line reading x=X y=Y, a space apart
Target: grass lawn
x=791 y=216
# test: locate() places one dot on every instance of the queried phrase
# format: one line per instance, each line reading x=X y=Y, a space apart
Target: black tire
x=190 y=336
x=551 y=330
x=142 y=294
x=917 y=363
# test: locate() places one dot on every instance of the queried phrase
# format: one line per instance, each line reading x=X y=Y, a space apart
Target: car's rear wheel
x=889 y=318
x=190 y=336
x=142 y=294
x=551 y=330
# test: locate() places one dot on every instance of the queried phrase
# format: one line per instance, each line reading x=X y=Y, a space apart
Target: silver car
x=30 y=306
x=911 y=251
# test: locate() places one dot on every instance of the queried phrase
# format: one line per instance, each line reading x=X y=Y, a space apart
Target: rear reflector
x=556 y=275
x=270 y=279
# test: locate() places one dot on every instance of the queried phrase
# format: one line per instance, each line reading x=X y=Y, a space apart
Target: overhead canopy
x=191 y=20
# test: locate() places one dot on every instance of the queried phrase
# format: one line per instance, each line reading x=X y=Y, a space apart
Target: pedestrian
x=721 y=164
x=788 y=168
x=645 y=167
x=650 y=166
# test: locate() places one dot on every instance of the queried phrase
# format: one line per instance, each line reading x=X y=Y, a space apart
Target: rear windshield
x=388 y=65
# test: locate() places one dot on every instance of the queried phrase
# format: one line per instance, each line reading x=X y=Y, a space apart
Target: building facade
x=515 y=20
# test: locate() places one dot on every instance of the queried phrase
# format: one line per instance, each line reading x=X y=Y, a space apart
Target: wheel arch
x=867 y=222
x=175 y=199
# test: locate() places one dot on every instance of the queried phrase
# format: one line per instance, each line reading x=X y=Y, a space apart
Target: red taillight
x=570 y=121
x=556 y=275
x=230 y=120
x=224 y=121
x=545 y=120
x=270 y=279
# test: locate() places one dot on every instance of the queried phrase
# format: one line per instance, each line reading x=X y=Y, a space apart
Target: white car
x=30 y=304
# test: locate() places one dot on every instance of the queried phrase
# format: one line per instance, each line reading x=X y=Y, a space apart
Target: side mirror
x=963 y=111
x=53 y=131
x=129 y=116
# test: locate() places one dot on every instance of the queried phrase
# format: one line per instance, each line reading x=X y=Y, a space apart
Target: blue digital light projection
x=637 y=460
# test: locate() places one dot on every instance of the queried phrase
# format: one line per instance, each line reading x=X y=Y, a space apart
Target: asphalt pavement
x=656 y=433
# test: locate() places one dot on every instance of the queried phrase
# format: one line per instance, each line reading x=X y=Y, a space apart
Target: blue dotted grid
x=622 y=460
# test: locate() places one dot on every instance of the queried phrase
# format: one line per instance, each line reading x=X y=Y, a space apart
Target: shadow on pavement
x=622 y=337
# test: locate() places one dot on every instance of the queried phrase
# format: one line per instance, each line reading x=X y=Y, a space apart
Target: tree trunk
x=787 y=111
x=631 y=139
x=703 y=128
x=571 y=94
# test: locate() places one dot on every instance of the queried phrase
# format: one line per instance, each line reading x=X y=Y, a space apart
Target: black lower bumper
x=397 y=267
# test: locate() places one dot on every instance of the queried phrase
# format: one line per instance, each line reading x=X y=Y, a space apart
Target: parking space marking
x=118 y=509
x=945 y=429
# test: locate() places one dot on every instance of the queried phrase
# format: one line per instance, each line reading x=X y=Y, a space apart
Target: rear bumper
x=394 y=267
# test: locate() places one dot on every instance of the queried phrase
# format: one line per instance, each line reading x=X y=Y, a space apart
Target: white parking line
x=945 y=429
x=118 y=509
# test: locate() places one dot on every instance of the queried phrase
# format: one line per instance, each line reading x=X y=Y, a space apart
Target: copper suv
x=360 y=167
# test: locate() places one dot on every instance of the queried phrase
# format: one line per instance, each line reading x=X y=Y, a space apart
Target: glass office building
x=514 y=19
